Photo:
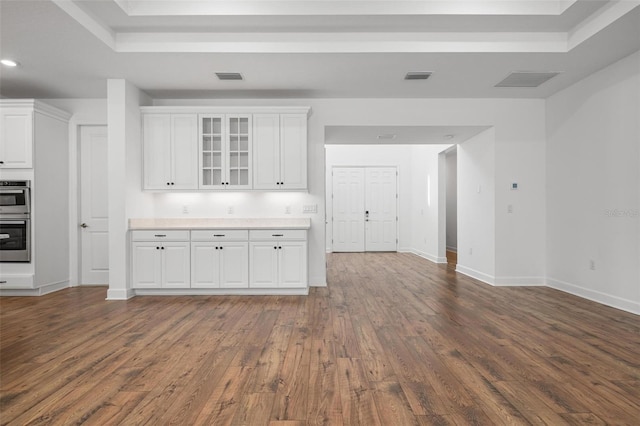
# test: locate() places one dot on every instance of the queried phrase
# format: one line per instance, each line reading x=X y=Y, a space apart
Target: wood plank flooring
x=393 y=340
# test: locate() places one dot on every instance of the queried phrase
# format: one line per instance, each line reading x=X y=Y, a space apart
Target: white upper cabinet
x=170 y=151
x=280 y=151
x=16 y=138
x=225 y=151
x=217 y=148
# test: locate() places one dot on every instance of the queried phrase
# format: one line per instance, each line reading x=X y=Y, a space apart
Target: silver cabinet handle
x=84 y=225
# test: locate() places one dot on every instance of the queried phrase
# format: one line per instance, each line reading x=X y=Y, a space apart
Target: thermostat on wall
x=514 y=185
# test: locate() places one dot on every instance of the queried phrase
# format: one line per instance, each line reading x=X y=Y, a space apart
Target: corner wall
x=593 y=196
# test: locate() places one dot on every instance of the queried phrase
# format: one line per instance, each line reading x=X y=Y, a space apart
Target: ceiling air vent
x=229 y=76
x=526 y=79
x=417 y=75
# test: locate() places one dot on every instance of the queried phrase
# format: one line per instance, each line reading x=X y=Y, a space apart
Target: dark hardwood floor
x=393 y=340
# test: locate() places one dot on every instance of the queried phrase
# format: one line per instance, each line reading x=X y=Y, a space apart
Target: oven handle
x=12 y=191
x=12 y=222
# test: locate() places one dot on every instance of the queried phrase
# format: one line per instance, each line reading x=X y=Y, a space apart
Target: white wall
x=84 y=112
x=427 y=203
x=476 y=207
x=513 y=120
x=593 y=196
x=452 y=199
x=126 y=199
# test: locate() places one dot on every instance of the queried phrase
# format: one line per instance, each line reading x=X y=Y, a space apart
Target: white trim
x=317 y=281
x=120 y=294
x=599 y=20
x=226 y=110
x=40 y=291
x=595 y=296
x=452 y=249
x=427 y=256
x=221 y=292
x=519 y=281
x=480 y=276
x=38 y=106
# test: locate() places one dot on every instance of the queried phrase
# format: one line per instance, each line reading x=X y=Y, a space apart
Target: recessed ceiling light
x=387 y=136
x=417 y=75
x=9 y=63
x=448 y=136
x=229 y=76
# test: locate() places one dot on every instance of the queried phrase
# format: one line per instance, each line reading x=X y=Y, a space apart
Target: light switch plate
x=310 y=208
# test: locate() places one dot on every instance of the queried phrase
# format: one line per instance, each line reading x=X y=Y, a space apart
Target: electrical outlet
x=287 y=210
x=230 y=210
x=510 y=208
x=592 y=265
x=185 y=209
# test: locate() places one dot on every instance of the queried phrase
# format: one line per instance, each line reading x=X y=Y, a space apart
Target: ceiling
x=308 y=48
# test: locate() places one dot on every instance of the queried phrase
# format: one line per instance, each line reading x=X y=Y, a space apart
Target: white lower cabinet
x=280 y=261
x=219 y=265
x=161 y=264
x=220 y=259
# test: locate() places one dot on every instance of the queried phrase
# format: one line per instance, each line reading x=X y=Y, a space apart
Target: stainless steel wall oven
x=15 y=221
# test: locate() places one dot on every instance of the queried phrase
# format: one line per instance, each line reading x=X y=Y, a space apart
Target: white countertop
x=220 y=223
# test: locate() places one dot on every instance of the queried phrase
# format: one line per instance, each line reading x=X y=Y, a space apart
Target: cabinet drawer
x=220 y=235
x=277 y=234
x=160 y=235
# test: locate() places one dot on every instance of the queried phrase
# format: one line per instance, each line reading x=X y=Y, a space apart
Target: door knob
x=84 y=225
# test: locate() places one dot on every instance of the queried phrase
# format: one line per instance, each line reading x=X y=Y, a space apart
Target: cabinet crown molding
x=227 y=110
x=37 y=106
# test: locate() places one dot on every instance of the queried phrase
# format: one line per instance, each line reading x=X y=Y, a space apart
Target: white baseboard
x=223 y=292
x=317 y=281
x=50 y=288
x=40 y=291
x=595 y=296
x=519 y=281
x=120 y=294
x=480 y=276
x=429 y=257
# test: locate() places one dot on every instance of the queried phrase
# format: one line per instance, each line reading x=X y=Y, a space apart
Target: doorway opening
x=451 y=185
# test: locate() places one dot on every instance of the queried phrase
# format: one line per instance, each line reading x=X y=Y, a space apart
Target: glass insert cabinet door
x=225 y=151
x=212 y=153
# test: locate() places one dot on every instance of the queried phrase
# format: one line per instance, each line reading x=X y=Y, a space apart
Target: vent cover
x=417 y=75
x=526 y=79
x=229 y=76
x=386 y=136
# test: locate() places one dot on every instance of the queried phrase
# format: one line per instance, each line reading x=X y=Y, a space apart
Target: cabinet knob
x=161 y=248
x=1 y=162
x=172 y=183
x=168 y=183
x=275 y=248
x=157 y=248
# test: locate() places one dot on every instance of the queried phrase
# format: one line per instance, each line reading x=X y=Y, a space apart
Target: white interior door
x=380 y=209
x=348 y=209
x=364 y=209
x=94 y=257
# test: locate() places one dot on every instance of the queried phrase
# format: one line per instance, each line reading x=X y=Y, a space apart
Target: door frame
x=75 y=125
x=329 y=237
